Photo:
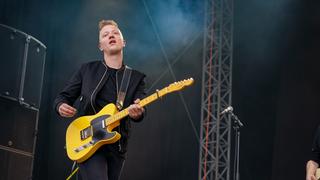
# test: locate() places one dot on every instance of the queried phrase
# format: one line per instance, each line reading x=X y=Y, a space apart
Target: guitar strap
x=123 y=87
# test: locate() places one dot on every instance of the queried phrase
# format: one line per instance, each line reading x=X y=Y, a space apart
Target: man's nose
x=111 y=36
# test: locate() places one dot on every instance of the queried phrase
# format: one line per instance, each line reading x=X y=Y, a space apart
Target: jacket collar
x=121 y=69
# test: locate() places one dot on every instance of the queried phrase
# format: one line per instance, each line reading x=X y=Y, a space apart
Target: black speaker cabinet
x=22 y=61
x=18 y=132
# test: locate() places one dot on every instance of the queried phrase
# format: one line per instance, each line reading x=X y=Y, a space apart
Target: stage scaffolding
x=215 y=130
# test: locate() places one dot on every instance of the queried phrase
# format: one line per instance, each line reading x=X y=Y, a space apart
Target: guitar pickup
x=85 y=133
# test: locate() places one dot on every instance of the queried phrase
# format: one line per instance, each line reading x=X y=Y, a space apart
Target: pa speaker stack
x=22 y=61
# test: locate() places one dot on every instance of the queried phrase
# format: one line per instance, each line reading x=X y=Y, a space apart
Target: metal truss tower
x=215 y=132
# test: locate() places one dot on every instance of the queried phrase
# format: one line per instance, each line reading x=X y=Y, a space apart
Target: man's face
x=110 y=39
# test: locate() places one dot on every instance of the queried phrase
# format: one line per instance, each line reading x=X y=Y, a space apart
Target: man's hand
x=135 y=110
x=66 y=110
x=311 y=177
x=311 y=170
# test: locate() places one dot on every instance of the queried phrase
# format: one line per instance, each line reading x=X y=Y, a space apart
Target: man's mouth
x=112 y=42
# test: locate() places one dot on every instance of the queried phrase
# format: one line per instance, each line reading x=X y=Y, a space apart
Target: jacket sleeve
x=71 y=91
x=316 y=147
x=140 y=94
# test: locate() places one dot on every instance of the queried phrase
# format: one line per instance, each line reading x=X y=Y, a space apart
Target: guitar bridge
x=84 y=146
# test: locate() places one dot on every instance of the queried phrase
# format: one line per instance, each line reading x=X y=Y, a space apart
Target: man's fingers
x=141 y=109
x=137 y=101
x=69 y=111
x=66 y=114
x=66 y=110
x=135 y=110
x=68 y=107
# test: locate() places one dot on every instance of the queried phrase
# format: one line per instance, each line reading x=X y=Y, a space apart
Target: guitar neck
x=125 y=112
x=159 y=93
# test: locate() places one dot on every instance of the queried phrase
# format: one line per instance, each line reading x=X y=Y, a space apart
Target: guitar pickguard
x=99 y=131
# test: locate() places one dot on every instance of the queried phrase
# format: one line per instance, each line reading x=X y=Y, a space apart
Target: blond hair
x=104 y=23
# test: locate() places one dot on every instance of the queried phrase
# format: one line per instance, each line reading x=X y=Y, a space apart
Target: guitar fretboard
x=125 y=112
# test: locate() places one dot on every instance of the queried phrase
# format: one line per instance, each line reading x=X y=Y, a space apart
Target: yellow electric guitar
x=87 y=133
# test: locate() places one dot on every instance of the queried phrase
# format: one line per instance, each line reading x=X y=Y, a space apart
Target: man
x=313 y=164
x=97 y=84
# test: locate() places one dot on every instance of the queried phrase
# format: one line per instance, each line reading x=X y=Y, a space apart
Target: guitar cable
x=73 y=171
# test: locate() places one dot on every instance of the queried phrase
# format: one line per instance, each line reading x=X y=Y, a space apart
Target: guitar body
x=87 y=133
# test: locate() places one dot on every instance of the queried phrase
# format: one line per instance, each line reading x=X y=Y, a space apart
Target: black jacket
x=88 y=81
x=316 y=146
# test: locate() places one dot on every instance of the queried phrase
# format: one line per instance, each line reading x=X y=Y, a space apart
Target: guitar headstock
x=176 y=86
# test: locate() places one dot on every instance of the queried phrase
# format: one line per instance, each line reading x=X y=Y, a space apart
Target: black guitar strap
x=123 y=87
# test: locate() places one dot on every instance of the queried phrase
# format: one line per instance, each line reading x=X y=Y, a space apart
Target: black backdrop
x=275 y=80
